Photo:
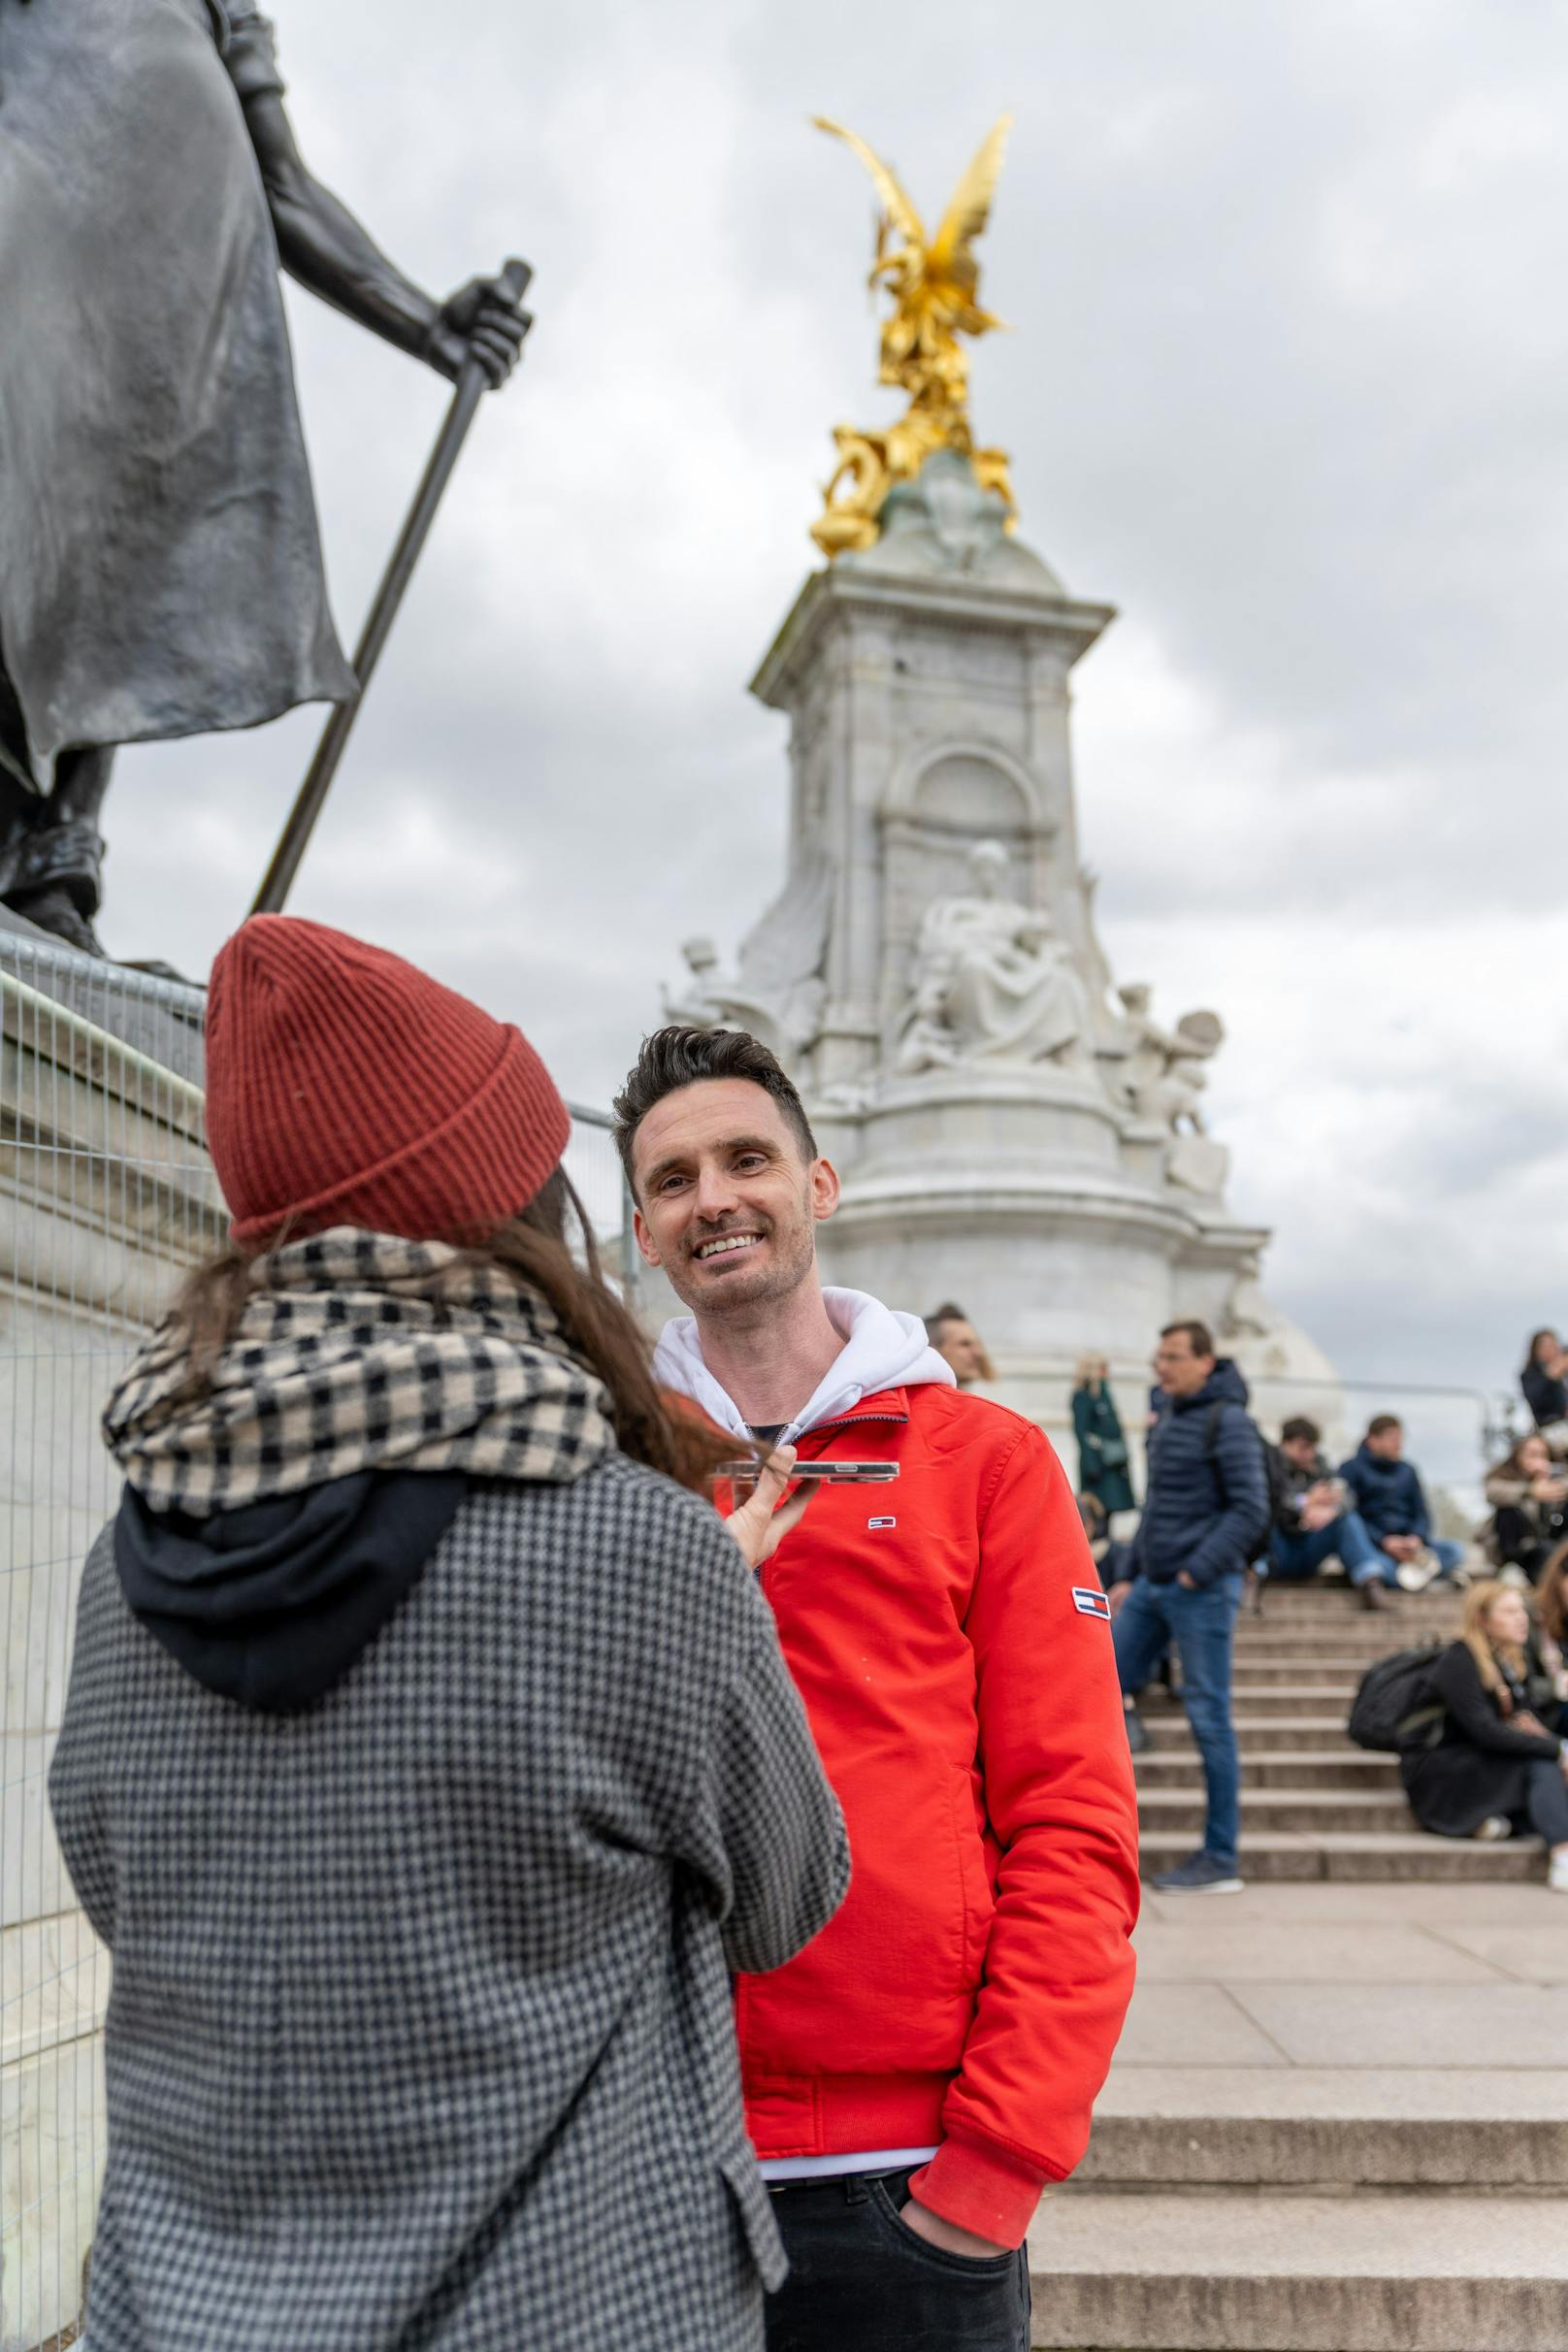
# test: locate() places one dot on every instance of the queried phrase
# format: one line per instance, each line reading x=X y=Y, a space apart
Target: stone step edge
x=1358 y=2272
x=1247 y=2154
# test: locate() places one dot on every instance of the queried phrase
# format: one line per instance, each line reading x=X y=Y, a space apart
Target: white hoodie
x=883 y=1349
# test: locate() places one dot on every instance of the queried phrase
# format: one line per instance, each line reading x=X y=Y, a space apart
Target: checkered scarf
x=360 y=1352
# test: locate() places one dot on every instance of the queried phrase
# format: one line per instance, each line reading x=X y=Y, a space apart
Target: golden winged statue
x=934 y=283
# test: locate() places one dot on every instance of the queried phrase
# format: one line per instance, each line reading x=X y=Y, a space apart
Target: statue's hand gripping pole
x=312 y=797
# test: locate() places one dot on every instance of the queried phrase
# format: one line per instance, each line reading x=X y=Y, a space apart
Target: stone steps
x=1247 y=2188
x=1271 y=1672
x=1364 y=1636
x=1335 y=2127
x=1273 y=1735
x=1370 y=2272
x=1263 y=1767
x=1275 y=1698
x=1266 y=1810
x=1347 y=1854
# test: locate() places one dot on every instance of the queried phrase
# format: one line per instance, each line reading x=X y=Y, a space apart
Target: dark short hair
x=1382 y=1422
x=1297 y=1426
x=939 y=1316
x=680 y=1055
x=1199 y=1333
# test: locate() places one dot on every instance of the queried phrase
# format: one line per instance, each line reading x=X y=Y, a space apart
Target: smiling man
x=917 y=2078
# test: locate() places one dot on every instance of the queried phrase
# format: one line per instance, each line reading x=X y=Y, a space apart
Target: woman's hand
x=759 y=1526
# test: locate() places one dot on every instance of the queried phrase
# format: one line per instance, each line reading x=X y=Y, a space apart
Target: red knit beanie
x=343 y=1087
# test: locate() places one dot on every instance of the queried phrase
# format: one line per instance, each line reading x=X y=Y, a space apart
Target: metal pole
x=310 y=798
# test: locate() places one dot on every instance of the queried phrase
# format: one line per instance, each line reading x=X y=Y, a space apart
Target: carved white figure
x=1164 y=1073
x=992 y=982
x=1164 y=1078
x=696 y=1004
x=777 y=992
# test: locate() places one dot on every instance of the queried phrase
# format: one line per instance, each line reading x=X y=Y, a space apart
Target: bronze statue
x=161 y=564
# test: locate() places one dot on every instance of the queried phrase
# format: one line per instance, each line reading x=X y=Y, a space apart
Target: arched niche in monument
x=937 y=806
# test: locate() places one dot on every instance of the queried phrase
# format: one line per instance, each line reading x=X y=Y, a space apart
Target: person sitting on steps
x=1314 y=1523
x=1495 y=1768
x=1528 y=1496
x=1544 y=1382
x=1389 y=1500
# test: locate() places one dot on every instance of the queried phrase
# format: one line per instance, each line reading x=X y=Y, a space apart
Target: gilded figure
x=935 y=286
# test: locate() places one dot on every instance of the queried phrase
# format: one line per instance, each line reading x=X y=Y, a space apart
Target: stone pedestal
x=106 y=1198
x=1013 y=1132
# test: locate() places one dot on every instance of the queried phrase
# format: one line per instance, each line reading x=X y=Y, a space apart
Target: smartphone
x=826 y=1474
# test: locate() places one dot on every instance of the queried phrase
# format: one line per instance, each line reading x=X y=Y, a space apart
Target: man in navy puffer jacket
x=1205 y=1515
x=1392 y=1506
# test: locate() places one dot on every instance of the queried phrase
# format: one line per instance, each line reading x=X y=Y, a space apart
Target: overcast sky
x=1287 y=386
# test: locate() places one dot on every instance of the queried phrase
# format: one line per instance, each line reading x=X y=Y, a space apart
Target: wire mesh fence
x=107 y=1197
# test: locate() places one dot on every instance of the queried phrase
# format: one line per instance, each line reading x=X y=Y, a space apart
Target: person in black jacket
x=1495 y=1767
x=1529 y=1507
x=1206 y=1514
x=1543 y=1381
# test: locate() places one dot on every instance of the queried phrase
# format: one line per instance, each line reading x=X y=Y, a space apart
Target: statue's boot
x=56 y=881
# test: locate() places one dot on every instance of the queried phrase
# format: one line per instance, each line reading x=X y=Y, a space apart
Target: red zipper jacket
x=948 y=1635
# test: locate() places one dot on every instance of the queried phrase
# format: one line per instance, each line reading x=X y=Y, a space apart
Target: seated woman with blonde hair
x=1494 y=1768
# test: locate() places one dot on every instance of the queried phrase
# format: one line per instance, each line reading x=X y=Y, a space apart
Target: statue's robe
x=160 y=564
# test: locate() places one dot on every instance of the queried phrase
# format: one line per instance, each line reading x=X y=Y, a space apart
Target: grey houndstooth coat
x=420 y=2032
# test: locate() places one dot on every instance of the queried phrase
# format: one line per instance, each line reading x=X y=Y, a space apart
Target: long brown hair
x=532 y=1246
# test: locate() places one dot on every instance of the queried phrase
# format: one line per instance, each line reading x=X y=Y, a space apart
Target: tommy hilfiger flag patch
x=1092 y=1603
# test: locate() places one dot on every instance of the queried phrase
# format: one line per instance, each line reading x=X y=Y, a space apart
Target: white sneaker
x=1557 y=1875
x=1494 y=1826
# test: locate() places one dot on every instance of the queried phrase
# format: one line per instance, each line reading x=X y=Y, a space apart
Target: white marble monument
x=1013 y=1132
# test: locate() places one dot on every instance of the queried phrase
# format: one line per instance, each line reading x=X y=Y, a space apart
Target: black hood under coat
x=271 y=1605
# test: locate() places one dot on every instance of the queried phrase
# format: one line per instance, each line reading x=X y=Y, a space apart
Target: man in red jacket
x=920 y=2074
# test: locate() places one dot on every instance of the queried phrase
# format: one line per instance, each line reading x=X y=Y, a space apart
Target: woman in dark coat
x=1495 y=1767
x=1102 y=1454
x=1544 y=1389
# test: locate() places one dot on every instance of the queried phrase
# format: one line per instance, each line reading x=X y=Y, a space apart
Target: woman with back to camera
x=1528 y=1494
x=429 y=1757
x=1495 y=1767
x=1103 y=1449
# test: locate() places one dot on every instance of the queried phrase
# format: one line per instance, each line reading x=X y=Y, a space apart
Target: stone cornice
x=962 y=603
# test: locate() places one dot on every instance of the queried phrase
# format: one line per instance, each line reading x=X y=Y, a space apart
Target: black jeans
x=860 y=2282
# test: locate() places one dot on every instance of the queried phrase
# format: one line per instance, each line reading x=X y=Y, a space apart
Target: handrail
x=102 y=1041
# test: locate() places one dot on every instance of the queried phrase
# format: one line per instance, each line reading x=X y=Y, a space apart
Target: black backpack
x=1395 y=1707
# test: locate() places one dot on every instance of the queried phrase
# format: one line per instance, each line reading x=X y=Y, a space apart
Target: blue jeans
x=1200 y=1624
x=1450 y=1554
x=1344 y=1539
